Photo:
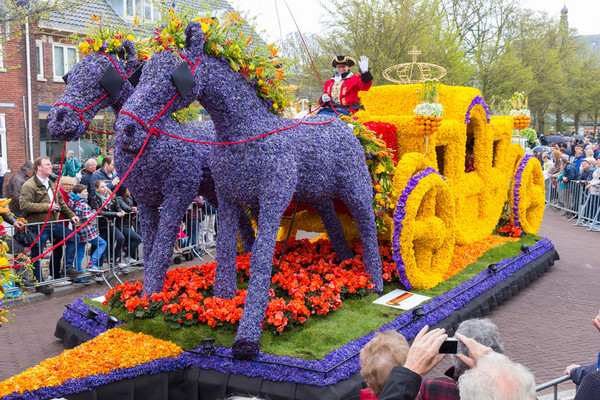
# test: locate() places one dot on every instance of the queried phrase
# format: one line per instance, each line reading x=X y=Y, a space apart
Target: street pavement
x=546 y=326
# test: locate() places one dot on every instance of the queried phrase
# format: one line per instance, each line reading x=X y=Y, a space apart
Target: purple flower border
x=517 y=188
x=83 y=323
x=342 y=363
x=477 y=100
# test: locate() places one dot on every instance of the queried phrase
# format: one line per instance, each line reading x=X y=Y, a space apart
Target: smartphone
x=450 y=346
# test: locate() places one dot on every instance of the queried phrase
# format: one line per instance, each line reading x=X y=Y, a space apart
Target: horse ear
x=194 y=40
x=127 y=50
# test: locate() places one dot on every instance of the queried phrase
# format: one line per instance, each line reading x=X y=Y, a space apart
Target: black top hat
x=344 y=60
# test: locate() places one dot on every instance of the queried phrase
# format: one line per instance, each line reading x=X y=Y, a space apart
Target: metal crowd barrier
x=197 y=234
x=553 y=384
x=199 y=229
x=572 y=197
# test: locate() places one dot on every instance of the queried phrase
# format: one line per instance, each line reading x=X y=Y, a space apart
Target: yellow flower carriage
x=439 y=203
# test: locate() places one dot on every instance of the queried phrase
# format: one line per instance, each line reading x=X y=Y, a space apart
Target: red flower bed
x=308 y=283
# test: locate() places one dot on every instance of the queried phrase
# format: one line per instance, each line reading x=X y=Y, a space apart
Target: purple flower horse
x=313 y=162
x=168 y=174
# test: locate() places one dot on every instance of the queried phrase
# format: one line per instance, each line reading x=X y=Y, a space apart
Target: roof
x=73 y=17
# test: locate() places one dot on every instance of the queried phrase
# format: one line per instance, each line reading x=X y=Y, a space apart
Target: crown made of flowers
x=225 y=38
x=414 y=72
x=107 y=38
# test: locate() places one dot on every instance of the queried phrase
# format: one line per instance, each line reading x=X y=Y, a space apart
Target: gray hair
x=483 y=331
x=89 y=162
x=71 y=152
x=495 y=377
x=27 y=166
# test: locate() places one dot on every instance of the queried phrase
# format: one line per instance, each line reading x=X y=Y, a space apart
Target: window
x=65 y=58
x=40 y=60
x=144 y=9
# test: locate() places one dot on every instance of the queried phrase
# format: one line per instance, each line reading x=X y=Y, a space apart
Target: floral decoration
x=112 y=350
x=315 y=160
x=520 y=112
x=110 y=39
x=344 y=362
x=225 y=39
x=152 y=173
x=308 y=283
x=478 y=100
x=428 y=114
x=528 y=200
x=387 y=133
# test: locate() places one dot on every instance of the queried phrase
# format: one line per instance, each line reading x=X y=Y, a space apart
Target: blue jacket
x=100 y=175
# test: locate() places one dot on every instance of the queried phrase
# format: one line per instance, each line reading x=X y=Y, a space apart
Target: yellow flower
x=95 y=17
x=380 y=169
x=275 y=106
x=204 y=27
x=251 y=67
x=260 y=82
x=116 y=43
x=130 y=37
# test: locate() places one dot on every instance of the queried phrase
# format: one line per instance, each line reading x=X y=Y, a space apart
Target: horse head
x=167 y=84
x=97 y=81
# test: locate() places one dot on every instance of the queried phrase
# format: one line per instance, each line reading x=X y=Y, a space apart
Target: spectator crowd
x=110 y=240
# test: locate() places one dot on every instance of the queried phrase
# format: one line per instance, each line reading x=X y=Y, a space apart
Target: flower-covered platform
x=214 y=373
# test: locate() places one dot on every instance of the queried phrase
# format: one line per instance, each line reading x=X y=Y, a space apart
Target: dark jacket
x=571 y=172
x=126 y=205
x=109 y=212
x=35 y=202
x=587 y=175
x=403 y=384
x=86 y=180
x=14 y=190
x=577 y=374
x=100 y=175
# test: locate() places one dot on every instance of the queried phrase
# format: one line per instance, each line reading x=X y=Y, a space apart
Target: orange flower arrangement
x=110 y=350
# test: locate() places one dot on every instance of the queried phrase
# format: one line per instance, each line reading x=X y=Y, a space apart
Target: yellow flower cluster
x=108 y=38
x=225 y=38
x=113 y=349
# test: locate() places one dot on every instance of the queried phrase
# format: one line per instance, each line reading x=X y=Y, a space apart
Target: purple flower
x=477 y=100
x=166 y=164
x=517 y=188
x=314 y=162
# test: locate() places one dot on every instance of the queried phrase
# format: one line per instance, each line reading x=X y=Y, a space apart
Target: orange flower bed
x=110 y=350
x=469 y=253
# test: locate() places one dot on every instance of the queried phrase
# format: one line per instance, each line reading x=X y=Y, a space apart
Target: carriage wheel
x=528 y=195
x=423 y=238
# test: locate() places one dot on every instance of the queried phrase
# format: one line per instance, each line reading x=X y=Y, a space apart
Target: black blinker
x=112 y=82
x=135 y=76
x=65 y=77
x=183 y=79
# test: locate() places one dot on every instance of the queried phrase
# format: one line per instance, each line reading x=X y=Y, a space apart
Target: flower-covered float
x=435 y=202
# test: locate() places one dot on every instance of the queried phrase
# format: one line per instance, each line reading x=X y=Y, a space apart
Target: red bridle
x=81 y=112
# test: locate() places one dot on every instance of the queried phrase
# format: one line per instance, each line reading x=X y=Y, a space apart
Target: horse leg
x=334 y=230
x=360 y=203
x=173 y=210
x=246 y=343
x=225 y=283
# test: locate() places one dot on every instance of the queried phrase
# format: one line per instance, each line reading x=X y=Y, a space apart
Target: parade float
x=308 y=304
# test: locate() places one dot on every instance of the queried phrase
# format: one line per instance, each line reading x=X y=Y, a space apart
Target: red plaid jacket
x=444 y=387
x=82 y=209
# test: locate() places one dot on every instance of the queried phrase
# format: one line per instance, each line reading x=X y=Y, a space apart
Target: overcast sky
x=583 y=14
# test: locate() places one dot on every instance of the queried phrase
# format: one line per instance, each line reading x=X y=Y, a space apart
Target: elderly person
x=72 y=165
x=483 y=331
x=385 y=351
x=86 y=174
x=14 y=187
x=341 y=92
x=492 y=375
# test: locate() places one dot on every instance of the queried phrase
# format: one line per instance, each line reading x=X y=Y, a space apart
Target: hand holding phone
x=449 y=346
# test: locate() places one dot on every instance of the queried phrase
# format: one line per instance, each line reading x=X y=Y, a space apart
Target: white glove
x=325 y=98
x=363 y=63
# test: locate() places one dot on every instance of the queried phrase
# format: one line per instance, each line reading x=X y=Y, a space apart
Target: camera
x=450 y=346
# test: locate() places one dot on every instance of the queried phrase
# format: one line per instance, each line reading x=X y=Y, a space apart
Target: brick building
x=27 y=97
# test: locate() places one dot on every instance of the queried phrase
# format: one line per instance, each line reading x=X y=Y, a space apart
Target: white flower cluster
x=434 y=109
x=523 y=112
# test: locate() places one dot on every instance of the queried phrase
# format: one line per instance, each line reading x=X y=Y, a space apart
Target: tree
x=15 y=13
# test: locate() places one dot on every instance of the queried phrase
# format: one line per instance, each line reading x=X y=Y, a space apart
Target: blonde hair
x=385 y=351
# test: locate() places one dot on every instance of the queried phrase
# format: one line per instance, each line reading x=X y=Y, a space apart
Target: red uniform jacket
x=345 y=93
